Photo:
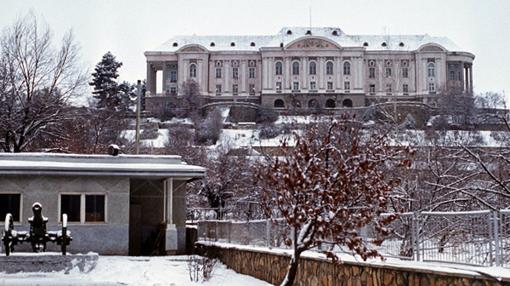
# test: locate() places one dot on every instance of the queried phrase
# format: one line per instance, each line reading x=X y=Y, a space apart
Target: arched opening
x=278 y=68
x=431 y=69
x=329 y=68
x=312 y=68
x=279 y=103
x=330 y=103
x=313 y=103
x=347 y=68
x=347 y=103
x=295 y=68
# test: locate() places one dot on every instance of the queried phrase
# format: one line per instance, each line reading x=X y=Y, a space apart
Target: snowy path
x=125 y=270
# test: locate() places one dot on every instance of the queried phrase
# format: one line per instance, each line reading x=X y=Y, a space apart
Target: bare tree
x=331 y=184
x=36 y=81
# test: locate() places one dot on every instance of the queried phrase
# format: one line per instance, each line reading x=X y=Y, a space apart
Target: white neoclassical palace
x=311 y=67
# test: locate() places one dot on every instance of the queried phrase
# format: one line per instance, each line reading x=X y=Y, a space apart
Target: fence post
x=496 y=237
x=230 y=231
x=216 y=230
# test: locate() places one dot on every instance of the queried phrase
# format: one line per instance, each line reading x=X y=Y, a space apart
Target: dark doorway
x=146 y=217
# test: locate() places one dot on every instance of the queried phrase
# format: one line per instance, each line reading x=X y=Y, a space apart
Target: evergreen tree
x=106 y=89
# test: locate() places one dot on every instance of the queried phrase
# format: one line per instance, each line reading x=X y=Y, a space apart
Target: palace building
x=303 y=67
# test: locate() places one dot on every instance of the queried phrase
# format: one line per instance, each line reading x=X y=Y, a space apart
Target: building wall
x=110 y=237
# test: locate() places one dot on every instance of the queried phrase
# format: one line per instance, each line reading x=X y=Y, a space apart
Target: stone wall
x=271 y=267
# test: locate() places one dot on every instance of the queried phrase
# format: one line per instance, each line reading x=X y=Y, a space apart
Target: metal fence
x=472 y=237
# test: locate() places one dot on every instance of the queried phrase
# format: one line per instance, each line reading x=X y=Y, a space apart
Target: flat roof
x=157 y=166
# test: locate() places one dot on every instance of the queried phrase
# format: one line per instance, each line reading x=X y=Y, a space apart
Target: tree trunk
x=291 y=270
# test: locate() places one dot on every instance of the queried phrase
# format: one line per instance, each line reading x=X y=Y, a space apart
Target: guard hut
x=122 y=205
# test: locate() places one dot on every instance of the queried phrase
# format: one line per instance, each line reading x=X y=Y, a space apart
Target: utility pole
x=138 y=111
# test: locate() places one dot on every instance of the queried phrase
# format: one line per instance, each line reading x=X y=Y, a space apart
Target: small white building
x=126 y=204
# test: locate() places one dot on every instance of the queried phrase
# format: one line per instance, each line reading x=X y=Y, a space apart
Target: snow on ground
x=159 y=142
x=130 y=270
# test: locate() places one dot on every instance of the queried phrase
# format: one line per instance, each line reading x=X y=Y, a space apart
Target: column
x=304 y=74
x=151 y=79
x=171 y=235
x=287 y=74
x=471 y=78
x=466 y=82
x=243 y=76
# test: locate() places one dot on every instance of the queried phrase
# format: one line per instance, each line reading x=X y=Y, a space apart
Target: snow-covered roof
x=289 y=34
x=160 y=166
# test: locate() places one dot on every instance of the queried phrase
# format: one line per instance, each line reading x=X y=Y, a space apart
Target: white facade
x=305 y=67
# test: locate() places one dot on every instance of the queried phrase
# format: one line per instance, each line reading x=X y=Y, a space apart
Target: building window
x=388 y=72
x=329 y=68
x=193 y=71
x=173 y=76
x=218 y=72
x=251 y=72
x=405 y=72
x=371 y=73
x=235 y=89
x=218 y=89
x=330 y=103
x=371 y=89
x=313 y=86
x=347 y=68
x=389 y=88
x=432 y=87
x=279 y=103
x=278 y=68
x=431 y=70
x=173 y=90
x=235 y=73
x=71 y=205
x=279 y=86
x=295 y=68
x=313 y=103
x=451 y=75
x=94 y=208
x=347 y=86
x=312 y=68
x=252 y=89
x=330 y=85
x=10 y=203
x=347 y=103
x=295 y=86
x=405 y=89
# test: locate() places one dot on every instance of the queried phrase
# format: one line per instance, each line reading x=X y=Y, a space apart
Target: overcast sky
x=127 y=28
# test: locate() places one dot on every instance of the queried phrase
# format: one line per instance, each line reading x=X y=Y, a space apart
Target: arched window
x=295 y=68
x=313 y=68
x=347 y=68
x=193 y=71
x=278 y=68
x=347 y=103
x=431 y=70
x=330 y=103
x=279 y=103
x=313 y=103
x=329 y=68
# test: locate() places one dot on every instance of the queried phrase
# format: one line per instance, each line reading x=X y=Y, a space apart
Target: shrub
x=266 y=115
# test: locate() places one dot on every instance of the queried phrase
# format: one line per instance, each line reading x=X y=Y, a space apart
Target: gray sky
x=127 y=28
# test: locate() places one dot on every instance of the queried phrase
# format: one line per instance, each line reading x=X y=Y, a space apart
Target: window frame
x=330 y=68
x=218 y=90
x=347 y=68
x=83 y=207
x=2 y=220
x=193 y=70
x=371 y=72
x=431 y=70
x=252 y=73
x=278 y=68
x=312 y=68
x=295 y=68
x=218 y=72
x=235 y=73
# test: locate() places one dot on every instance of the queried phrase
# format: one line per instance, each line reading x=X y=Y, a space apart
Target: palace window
x=173 y=90
x=405 y=72
x=279 y=103
x=330 y=85
x=193 y=71
x=218 y=89
x=251 y=72
x=432 y=87
x=347 y=86
x=329 y=68
x=312 y=69
x=278 y=86
x=330 y=103
x=251 y=89
x=371 y=73
x=347 y=103
x=405 y=89
x=313 y=86
x=451 y=75
x=347 y=68
x=173 y=76
x=235 y=89
x=371 y=89
x=389 y=89
x=94 y=208
x=235 y=73
x=388 y=72
x=295 y=68
x=218 y=72
x=431 y=70
x=295 y=86
x=10 y=203
x=278 y=68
